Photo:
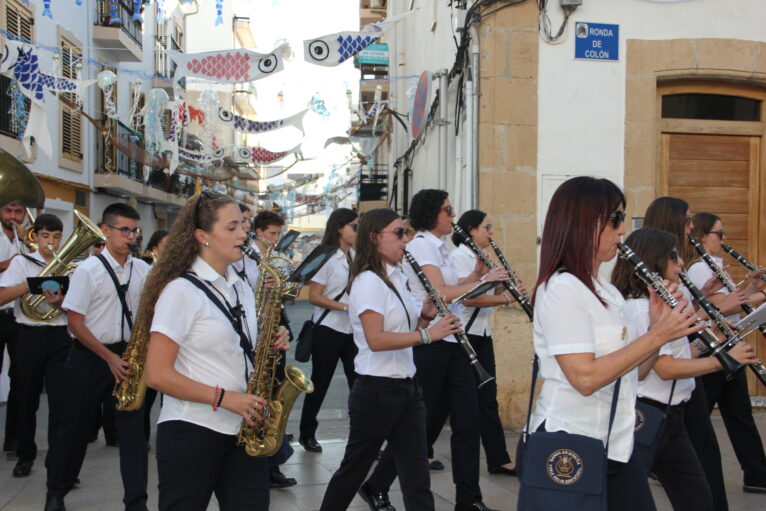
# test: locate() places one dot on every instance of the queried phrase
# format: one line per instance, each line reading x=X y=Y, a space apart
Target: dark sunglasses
x=720 y=233
x=354 y=227
x=206 y=194
x=617 y=218
x=673 y=256
x=448 y=210
x=399 y=233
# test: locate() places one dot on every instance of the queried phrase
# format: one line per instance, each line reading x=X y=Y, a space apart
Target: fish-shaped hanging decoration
x=245 y=125
x=229 y=66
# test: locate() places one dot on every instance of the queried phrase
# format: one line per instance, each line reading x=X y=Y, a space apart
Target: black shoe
x=23 y=468
x=379 y=455
x=754 y=488
x=476 y=506
x=502 y=470
x=278 y=480
x=378 y=501
x=289 y=437
x=54 y=503
x=310 y=444
x=9 y=445
x=436 y=465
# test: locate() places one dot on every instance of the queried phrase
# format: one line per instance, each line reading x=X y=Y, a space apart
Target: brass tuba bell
x=18 y=184
x=85 y=234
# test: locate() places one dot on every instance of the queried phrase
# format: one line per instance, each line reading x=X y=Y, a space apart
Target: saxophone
x=130 y=393
x=265 y=438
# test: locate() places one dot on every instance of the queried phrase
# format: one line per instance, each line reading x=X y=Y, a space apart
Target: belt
x=367 y=379
x=49 y=328
x=658 y=404
x=7 y=312
x=115 y=347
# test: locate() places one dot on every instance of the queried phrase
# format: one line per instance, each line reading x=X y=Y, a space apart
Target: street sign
x=375 y=54
x=420 y=104
x=597 y=41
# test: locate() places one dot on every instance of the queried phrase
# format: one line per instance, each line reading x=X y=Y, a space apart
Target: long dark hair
x=471 y=219
x=199 y=212
x=338 y=219
x=577 y=215
x=425 y=208
x=156 y=238
x=703 y=224
x=367 y=255
x=669 y=214
x=653 y=246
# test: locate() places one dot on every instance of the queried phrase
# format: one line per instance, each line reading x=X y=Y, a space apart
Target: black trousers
x=328 y=347
x=384 y=409
x=627 y=488
x=194 y=462
x=734 y=403
x=9 y=332
x=490 y=427
x=677 y=466
x=89 y=381
x=40 y=357
x=445 y=373
x=703 y=438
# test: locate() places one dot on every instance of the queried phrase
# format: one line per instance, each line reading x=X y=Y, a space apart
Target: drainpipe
x=442 y=124
x=473 y=177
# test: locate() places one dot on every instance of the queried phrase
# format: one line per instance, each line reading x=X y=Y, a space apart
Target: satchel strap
x=612 y=411
x=327 y=311
x=472 y=319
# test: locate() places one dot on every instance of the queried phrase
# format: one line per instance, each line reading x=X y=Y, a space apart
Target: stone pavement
x=101 y=488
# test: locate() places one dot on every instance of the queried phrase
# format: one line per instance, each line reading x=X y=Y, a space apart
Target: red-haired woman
x=581 y=338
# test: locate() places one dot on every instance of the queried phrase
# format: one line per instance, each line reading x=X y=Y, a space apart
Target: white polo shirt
x=463 y=261
x=700 y=272
x=334 y=277
x=426 y=248
x=369 y=292
x=653 y=387
x=8 y=248
x=17 y=272
x=570 y=319
x=92 y=294
x=251 y=271
x=209 y=348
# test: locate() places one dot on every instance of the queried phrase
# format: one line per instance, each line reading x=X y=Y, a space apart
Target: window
x=716 y=107
x=18 y=22
x=71 y=124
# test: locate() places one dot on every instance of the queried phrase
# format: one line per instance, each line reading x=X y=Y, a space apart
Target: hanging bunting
x=47 y=8
x=219 y=12
x=152 y=115
x=229 y=66
x=114 y=14
x=137 y=6
x=240 y=123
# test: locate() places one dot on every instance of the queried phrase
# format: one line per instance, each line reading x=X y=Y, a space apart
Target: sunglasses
x=205 y=194
x=399 y=233
x=720 y=233
x=448 y=210
x=617 y=218
x=673 y=256
x=354 y=227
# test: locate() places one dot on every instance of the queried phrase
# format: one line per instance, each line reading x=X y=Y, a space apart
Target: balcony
x=122 y=41
x=8 y=125
x=371 y=11
x=373 y=183
x=164 y=67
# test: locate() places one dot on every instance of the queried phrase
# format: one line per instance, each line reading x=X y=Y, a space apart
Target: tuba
x=85 y=234
x=265 y=439
x=18 y=184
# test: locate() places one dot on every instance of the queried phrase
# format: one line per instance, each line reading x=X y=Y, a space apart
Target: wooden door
x=720 y=174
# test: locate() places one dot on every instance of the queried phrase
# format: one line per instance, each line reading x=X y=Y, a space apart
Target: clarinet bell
x=482 y=375
x=728 y=363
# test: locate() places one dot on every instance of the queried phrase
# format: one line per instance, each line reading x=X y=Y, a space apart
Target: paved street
x=101 y=489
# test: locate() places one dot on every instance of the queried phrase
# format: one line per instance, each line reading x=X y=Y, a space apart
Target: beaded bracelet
x=216 y=399
x=428 y=336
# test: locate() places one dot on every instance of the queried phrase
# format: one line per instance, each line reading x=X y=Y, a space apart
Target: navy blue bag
x=650 y=421
x=560 y=470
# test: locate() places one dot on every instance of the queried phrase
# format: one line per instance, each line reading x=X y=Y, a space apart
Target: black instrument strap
x=126 y=313
x=327 y=311
x=33 y=260
x=406 y=312
x=472 y=319
x=231 y=313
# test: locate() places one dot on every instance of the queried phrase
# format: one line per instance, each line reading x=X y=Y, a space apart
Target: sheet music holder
x=286 y=240
x=313 y=263
x=753 y=320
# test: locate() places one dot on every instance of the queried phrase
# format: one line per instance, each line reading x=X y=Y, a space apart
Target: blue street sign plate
x=597 y=41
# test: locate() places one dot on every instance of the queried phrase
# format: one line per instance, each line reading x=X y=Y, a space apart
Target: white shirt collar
x=112 y=261
x=36 y=255
x=432 y=238
x=206 y=272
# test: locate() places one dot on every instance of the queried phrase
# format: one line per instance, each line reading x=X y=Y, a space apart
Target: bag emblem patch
x=640 y=420
x=565 y=467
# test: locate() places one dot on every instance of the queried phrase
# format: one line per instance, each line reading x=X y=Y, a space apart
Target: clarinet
x=251 y=253
x=515 y=281
x=483 y=376
x=732 y=338
x=651 y=279
x=511 y=287
x=718 y=271
x=741 y=259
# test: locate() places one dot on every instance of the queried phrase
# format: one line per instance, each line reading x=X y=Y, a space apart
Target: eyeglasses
x=448 y=210
x=354 y=227
x=126 y=232
x=399 y=233
x=720 y=233
x=617 y=218
x=488 y=227
x=209 y=194
x=673 y=256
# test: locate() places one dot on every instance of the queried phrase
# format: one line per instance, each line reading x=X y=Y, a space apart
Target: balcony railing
x=8 y=124
x=133 y=29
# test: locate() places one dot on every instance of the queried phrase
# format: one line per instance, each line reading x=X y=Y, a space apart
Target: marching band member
x=332 y=340
x=43 y=345
x=386 y=401
x=477 y=318
x=731 y=395
x=103 y=293
x=200 y=357
x=580 y=336
x=444 y=370
x=671 y=372
x=155 y=246
x=11 y=244
x=246 y=268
